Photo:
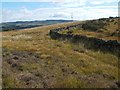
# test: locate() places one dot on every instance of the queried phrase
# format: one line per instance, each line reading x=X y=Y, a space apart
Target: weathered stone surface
x=111 y=46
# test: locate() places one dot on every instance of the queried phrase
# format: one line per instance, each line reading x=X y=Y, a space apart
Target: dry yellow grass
x=110 y=27
x=87 y=63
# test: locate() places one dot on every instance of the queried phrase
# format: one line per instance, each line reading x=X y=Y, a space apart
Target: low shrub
x=70 y=32
x=93 y=25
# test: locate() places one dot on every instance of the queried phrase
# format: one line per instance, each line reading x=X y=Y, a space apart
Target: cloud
x=73 y=4
x=97 y=3
x=81 y=13
x=61 y=15
x=60 y=1
x=79 y=8
x=21 y=14
x=36 y=14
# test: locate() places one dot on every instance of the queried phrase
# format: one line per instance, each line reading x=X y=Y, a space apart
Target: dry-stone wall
x=112 y=46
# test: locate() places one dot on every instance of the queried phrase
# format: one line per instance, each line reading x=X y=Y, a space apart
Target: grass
x=61 y=63
x=70 y=82
x=91 y=34
x=102 y=33
x=9 y=82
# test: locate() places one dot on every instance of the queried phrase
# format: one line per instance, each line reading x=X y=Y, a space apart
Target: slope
x=32 y=59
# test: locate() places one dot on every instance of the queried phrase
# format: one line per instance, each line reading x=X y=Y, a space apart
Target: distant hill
x=32 y=58
x=7 y=26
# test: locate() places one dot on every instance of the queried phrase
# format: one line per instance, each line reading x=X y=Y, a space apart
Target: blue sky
x=28 y=5
x=13 y=10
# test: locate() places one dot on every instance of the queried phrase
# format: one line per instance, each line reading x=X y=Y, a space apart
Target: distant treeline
x=8 y=26
x=13 y=27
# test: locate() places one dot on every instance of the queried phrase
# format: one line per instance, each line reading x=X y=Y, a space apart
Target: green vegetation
x=8 y=82
x=106 y=28
x=31 y=59
x=93 y=25
x=9 y=26
x=70 y=82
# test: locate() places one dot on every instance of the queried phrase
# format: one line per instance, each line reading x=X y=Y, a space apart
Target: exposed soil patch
x=28 y=69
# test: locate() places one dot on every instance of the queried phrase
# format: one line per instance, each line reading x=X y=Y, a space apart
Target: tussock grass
x=61 y=63
x=106 y=32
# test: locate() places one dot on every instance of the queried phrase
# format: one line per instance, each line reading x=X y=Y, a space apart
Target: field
x=32 y=59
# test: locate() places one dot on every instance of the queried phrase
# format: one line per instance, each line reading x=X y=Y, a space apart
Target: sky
x=28 y=10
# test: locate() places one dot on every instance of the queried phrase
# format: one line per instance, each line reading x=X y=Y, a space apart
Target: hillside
x=8 y=26
x=101 y=35
x=32 y=59
x=105 y=28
